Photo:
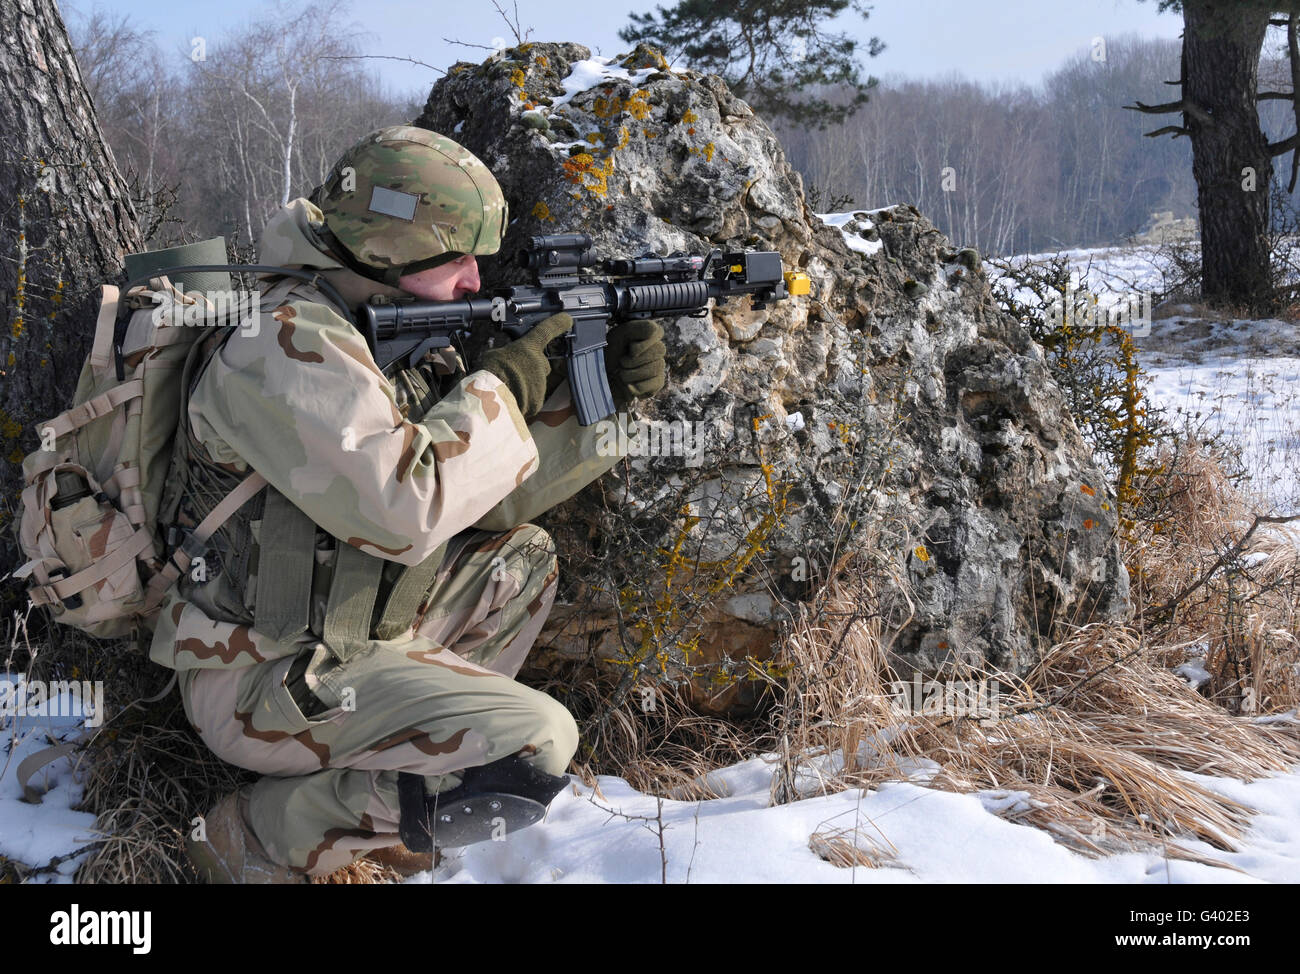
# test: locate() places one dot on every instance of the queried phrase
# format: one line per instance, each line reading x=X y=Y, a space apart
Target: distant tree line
x=1012 y=168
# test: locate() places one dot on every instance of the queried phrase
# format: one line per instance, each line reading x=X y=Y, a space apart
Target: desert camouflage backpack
x=94 y=486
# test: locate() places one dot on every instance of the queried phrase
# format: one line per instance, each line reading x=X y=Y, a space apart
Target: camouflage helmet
x=405 y=199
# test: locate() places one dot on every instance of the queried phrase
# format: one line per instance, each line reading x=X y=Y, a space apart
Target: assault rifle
x=651 y=286
x=679 y=285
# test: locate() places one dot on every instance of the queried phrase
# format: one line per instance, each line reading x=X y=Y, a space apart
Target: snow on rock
x=585 y=75
x=859 y=232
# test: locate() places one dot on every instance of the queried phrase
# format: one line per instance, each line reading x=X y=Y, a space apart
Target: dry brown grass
x=363 y=872
x=1095 y=739
x=1099 y=735
x=848 y=847
x=1096 y=743
x=1207 y=573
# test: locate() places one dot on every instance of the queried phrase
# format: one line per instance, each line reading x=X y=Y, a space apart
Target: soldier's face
x=451 y=280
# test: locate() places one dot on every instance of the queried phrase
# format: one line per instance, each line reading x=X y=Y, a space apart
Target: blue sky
x=1012 y=40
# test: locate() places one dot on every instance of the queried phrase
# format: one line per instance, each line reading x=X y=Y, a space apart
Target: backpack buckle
x=73 y=601
x=183 y=541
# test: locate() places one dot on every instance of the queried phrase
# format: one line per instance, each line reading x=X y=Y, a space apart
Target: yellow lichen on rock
x=583 y=170
x=635 y=105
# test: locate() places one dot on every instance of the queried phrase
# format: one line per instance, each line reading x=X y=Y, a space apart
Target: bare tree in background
x=215 y=142
x=133 y=91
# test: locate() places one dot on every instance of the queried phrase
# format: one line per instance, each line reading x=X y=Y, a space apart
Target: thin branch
x=382 y=57
x=482 y=47
x=1184 y=105
x=1162 y=109
x=1174 y=130
x=520 y=38
x=1229 y=554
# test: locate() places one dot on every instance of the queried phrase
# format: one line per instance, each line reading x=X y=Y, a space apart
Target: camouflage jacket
x=378 y=465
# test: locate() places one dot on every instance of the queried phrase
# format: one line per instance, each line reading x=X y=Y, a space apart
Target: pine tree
x=1232 y=158
x=775 y=54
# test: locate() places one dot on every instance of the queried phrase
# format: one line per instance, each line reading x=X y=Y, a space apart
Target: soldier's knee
x=554 y=739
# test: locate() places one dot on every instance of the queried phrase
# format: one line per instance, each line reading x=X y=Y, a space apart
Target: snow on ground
x=1235 y=376
x=611 y=834
x=37 y=834
x=921 y=834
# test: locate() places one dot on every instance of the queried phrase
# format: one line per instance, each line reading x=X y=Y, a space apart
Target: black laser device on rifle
x=619 y=290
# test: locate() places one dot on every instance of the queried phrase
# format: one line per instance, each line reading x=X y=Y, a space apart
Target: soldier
x=355 y=629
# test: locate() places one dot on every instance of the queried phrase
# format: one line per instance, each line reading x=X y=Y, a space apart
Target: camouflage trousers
x=331 y=737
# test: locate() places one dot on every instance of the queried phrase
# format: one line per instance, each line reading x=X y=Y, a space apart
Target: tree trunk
x=1221 y=49
x=65 y=223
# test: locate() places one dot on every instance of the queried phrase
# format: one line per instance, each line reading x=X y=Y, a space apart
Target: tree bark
x=1221 y=50
x=65 y=223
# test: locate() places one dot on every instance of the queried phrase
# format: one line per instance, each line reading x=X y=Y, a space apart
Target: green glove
x=635 y=360
x=523 y=366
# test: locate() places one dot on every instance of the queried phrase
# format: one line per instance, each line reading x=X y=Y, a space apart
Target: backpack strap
x=101 y=352
x=286 y=557
x=195 y=541
x=33 y=763
x=353 y=592
x=408 y=594
x=93 y=409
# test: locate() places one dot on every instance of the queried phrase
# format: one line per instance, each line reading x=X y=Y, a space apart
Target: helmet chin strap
x=388 y=276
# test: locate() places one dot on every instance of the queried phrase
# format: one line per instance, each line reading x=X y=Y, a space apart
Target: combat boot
x=403 y=861
x=230 y=852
